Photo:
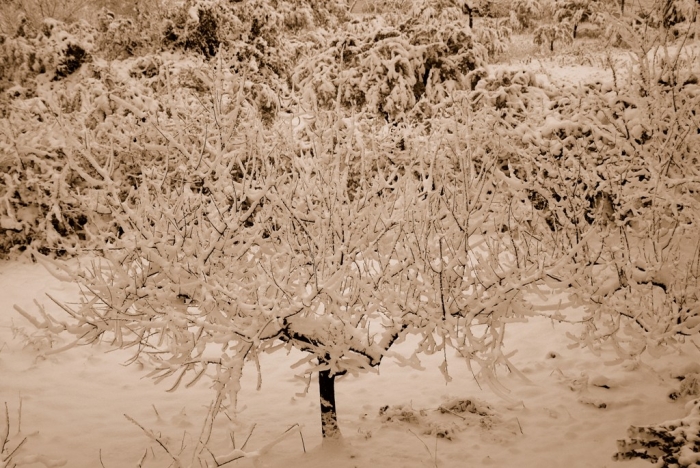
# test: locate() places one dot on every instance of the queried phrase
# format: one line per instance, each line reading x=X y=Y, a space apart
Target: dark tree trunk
x=551 y=46
x=575 y=29
x=622 y=7
x=329 y=415
x=468 y=10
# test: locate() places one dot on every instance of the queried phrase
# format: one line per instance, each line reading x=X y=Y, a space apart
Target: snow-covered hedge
x=118 y=114
x=386 y=70
x=117 y=85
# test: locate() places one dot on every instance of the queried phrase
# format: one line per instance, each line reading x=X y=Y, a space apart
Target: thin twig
x=12 y=453
x=426 y=447
x=156 y=411
x=248 y=438
x=151 y=435
x=6 y=431
x=303 y=445
x=140 y=463
x=19 y=417
x=445 y=410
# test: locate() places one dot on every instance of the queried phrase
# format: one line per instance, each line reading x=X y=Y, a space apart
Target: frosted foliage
x=576 y=12
x=524 y=12
x=619 y=158
x=386 y=69
x=547 y=35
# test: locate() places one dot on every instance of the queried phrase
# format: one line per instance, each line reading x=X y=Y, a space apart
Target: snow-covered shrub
x=205 y=25
x=614 y=161
x=494 y=35
x=547 y=34
x=56 y=50
x=123 y=36
x=382 y=7
x=673 y=12
x=576 y=12
x=648 y=270
x=109 y=104
x=37 y=205
x=327 y=14
x=524 y=12
x=36 y=11
x=198 y=26
x=387 y=70
x=669 y=444
x=496 y=9
x=513 y=94
x=259 y=40
x=45 y=193
x=620 y=158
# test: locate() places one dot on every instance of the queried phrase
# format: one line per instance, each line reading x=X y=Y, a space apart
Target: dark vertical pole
x=468 y=10
x=329 y=415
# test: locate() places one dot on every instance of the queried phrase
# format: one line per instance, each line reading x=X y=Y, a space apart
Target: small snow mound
x=452 y=417
x=601 y=381
x=690 y=386
x=461 y=405
x=594 y=402
x=401 y=413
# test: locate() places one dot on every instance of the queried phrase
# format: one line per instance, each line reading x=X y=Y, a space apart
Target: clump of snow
x=453 y=416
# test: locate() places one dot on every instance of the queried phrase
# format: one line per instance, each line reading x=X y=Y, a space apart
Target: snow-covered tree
x=235 y=240
x=525 y=12
x=239 y=251
x=547 y=34
x=576 y=12
x=643 y=278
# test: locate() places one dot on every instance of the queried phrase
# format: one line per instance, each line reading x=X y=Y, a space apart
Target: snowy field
x=570 y=411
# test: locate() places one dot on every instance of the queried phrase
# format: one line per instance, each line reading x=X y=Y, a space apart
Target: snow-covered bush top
x=387 y=70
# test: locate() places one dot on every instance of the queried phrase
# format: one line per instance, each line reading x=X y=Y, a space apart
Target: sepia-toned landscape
x=306 y=233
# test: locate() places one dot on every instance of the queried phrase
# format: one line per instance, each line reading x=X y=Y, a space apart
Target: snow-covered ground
x=570 y=413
